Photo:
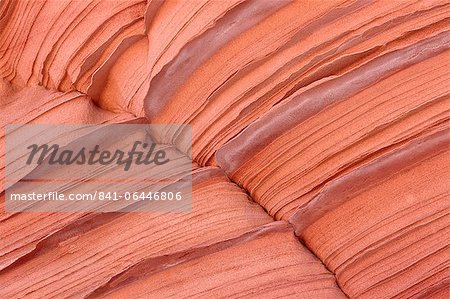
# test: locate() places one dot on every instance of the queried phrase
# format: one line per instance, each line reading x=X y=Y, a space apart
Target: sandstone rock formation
x=320 y=146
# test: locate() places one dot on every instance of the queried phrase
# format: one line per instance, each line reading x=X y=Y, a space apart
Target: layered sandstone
x=320 y=146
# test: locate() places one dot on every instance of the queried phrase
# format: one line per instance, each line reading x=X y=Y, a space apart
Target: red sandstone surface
x=320 y=147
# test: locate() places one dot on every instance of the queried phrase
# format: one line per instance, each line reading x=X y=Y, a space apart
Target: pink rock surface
x=320 y=146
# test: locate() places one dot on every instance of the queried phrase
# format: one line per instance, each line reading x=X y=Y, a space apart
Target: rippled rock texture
x=320 y=145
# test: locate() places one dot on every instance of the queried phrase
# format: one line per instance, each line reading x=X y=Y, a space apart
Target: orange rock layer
x=320 y=147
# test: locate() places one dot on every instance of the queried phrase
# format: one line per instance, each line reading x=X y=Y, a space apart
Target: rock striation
x=320 y=146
